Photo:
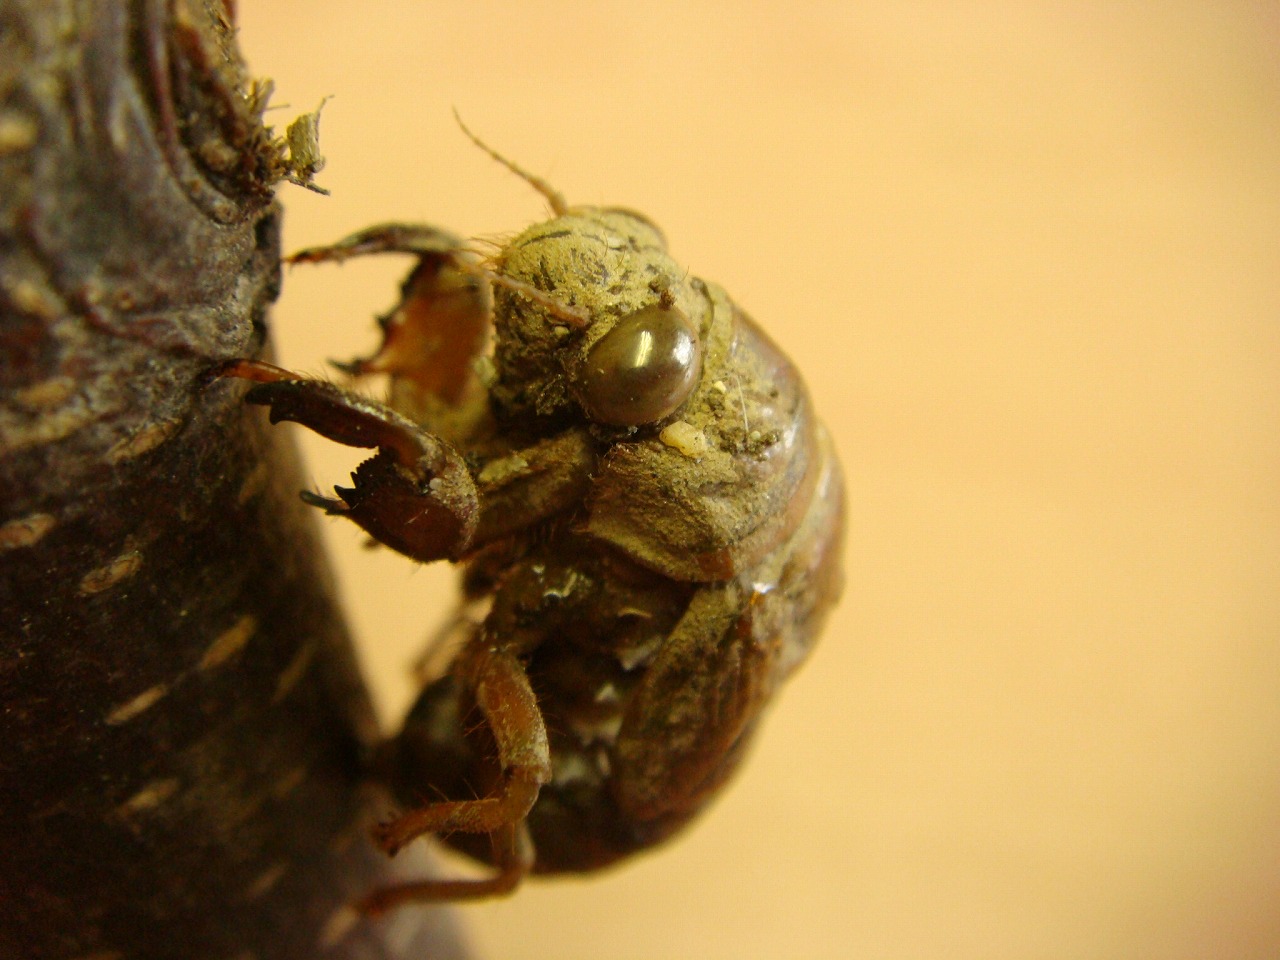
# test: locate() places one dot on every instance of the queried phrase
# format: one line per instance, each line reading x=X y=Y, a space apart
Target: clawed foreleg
x=416 y=494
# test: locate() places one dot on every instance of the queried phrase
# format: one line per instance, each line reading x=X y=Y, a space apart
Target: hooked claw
x=415 y=494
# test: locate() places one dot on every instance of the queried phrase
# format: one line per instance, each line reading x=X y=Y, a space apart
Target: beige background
x=1028 y=255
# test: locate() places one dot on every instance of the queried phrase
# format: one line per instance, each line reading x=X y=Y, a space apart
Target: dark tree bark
x=182 y=723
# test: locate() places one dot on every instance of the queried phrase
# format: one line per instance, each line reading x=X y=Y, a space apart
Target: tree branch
x=182 y=722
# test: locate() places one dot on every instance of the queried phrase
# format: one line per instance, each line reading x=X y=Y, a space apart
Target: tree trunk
x=182 y=722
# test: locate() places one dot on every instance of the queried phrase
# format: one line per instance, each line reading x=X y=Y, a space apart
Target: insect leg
x=415 y=238
x=441 y=324
x=502 y=691
x=512 y=852
x=416 y=495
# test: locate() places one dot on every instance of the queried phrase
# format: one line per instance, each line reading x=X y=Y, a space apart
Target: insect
x=647 y=516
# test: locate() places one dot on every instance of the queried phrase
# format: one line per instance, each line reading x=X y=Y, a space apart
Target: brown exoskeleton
x=636 y=485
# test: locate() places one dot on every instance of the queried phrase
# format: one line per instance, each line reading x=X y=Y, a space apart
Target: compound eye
x=642 y=369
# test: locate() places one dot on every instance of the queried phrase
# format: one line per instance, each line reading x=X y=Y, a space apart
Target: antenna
x=552 y=195
x=574 y=316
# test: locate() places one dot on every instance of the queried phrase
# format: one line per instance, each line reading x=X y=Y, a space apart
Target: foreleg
x=416 y=495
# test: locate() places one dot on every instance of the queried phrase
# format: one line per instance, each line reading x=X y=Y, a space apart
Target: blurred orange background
x=1028 y=256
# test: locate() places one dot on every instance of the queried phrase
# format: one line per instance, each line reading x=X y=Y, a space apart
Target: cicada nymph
x=632 y=479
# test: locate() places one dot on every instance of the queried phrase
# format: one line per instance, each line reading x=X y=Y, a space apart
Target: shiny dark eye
x=642 y=369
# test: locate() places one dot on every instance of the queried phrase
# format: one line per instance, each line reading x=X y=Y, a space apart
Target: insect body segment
x=646 y=502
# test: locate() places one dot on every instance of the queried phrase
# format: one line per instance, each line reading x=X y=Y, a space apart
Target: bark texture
x=182 y=722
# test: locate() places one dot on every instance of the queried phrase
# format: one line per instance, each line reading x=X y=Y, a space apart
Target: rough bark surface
x=182 y=722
